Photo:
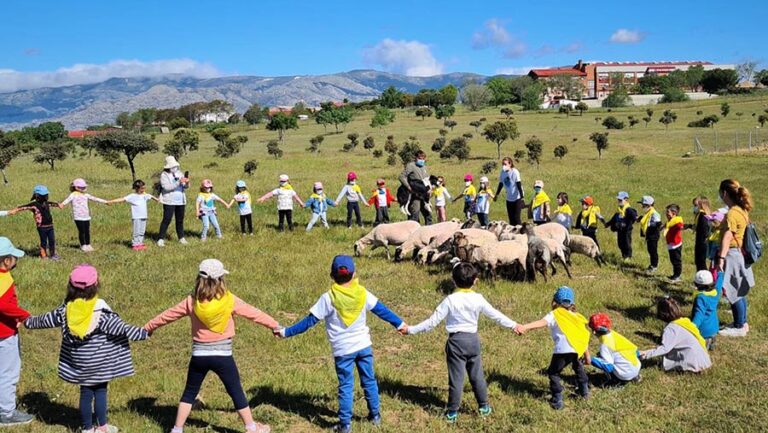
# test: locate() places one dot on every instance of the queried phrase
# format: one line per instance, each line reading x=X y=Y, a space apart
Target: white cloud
x=83 y=73
x=494 y=35
x=517 y=70
x=411 y=58
x=572 y=48
x=625 y=36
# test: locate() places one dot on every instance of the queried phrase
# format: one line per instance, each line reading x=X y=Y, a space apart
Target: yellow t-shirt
x=736 y=221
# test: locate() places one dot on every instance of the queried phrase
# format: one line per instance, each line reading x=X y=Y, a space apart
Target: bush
x=392 y=159
x=369 y=143
x=378 y=153
x=408 y=152
x=250 y=167
x=705 y=122
x=560 y=151
x=611 y=122
x=673 y=94
x=438 y=144
x=178 y=122
x=618 y=98
x=273 y=148
x=458 y=148
x=489 y=167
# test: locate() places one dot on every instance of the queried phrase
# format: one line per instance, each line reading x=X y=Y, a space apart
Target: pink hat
x=79 y=183
x=716 y=216
x=380 y=181
x=207 y=183
x=351 y=175
x=318 y=185
x=83 y=276
x=468 y=177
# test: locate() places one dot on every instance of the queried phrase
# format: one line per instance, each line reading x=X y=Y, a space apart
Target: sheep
x=547 y=230
x=385 y=235
x=586 y=246
x=474 y=236
x=421 y=237
x=493 y=255
x=432 y=247
x=541 y=252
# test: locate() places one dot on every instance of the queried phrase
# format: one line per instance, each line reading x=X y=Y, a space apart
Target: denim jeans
x=10 y=369
x=209 y=218
x=739 y=309
x=93 y=399
x=322 y=216
x=345 y=371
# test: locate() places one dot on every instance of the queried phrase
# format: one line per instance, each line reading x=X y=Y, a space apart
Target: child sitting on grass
x=344 y=308
x=618 y=356
x=211 y=309
x=705 y=300
x=462 y=309
x=94 y=344
x=138 y=201
x=682 y=346
x=571 y=336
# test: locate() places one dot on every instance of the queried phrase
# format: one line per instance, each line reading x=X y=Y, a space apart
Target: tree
x=113 y=146
x=221 y=134
x=49 y=132
x=352 y=144
x=369 y=143
x=649 y=112
x=442 y=131
x=235 y=118
x=567 y=85
x=671 y=114
x=666 y=120
x=565 y=109
x=628 y=161
x=706 y=122
x=423 y=112
x=390 y=146
x=581 y=107
x=378 y=153
x=501 y=90
x=633 y=121
x=762 y=77
x=611 y=122
x=693 y=77
x=281 y=122
x=314 y=144
x=9 y=150
x=254 y=114
x=438 y=144
x=391 y=98
x=476 y=124
x=392 y=159
x=273 y=148
x=450 y=124
x=444 y=111
x=448 y=95
x=601 y=142
x=250 y=166
x=762 y=119
x=408 y=152
x=499 y=132
x=532 y=96
x=178 y=122
x=746 y=70
x=534 y=145
x=51 y=151
x=673 y=94
x=382 y=117
x=519 y=155
x=300 y=108
x=230 y=146
x=123 y=119
x=184 y=141
x=457 y=148
x=507 y=112
x=560 y=151
x=619 y=97
x=476 y=96
x=717 y=80
x=725 y=109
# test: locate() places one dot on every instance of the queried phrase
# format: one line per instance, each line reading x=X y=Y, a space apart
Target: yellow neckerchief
x=712 y=292
x=590 y=215
x=458 y=290
x=672 y=223
x=690 y=327
x=715 y=235
x=316 y=196
x=355 y=188
x=622 y=209
x=539 y=199
x=287 y=186
x=564 y=209
x=79 y=316
x=469 y=191
x=348 y=301
x=646 y=219
x=205 y=195
x=215 y=314
x=6 y=282
x=574 y=326
x=618 y=343
x=438 y=191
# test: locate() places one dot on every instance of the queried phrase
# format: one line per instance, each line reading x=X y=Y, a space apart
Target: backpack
x=752 y=246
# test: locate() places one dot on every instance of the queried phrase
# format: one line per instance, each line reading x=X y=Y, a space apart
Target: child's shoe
x=84 y=248
x=257 y=428
x=451 y=417
x=136 y=248
x=161 y=243
x=485 y=410
x=375 y=420
x=342 y=428
x=650 y=270
x=202 y=239
x=56 y=257
x=106 y=428
x=16 y=418
x=675 y=279
x=583 y=390
x=556 y=402
x=183 y=241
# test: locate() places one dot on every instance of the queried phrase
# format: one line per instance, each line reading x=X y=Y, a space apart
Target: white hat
x=539 y=184
x=483 y=179
x=170 y=162
x=703 y=278
x=283 y=178
x=212 y=268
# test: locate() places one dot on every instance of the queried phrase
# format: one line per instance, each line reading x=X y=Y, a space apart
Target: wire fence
x=731 y=141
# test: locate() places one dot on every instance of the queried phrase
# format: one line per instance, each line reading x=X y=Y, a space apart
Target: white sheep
x=547 y=230
x=586 y=246
x=421 y=237
x=432 y=247
x=475 y=237
x=510 y=254
x=385 y=235
x=541 y=254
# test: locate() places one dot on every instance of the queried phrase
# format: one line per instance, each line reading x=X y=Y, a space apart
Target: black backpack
x=752 y=246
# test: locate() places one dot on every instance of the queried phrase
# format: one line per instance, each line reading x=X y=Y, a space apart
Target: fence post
x=750 y=141
x=715 y=140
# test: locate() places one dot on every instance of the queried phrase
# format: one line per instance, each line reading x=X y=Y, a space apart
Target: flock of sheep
x=514 y=252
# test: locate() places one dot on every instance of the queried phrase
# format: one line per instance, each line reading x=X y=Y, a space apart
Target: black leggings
x=83 y=232
x=222 y=366
x=653 y=251
x=591 y=232
x=624 y=238
x=353 y=206
x=558 y=364
x=285 y=216
x=514 y=209
x=47 y=240
x=246 y=220
x=169 y=211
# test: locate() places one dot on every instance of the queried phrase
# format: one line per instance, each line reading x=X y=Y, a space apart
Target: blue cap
x=40 y=190
x=240 y=184
x=343 y=265
x=564 y=296
x=7 y=248
x=623 y=195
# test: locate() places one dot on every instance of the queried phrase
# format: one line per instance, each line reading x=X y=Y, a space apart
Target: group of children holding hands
x=95 y=341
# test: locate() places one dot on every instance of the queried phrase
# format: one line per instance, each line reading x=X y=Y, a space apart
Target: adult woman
x=730 y=260
x=510 y=179
x=172 y=184
x=415 y=179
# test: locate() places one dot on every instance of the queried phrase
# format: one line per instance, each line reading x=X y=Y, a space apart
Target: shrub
x=378 y=153
x=705 y=122
x=250 y=167
x=560 y=151
x=611 y=122
x=489 y=167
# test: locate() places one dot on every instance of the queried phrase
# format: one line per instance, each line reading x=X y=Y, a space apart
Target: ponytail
x=744 y=199
x=738 y=194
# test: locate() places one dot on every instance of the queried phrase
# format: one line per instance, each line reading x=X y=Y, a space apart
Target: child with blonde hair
x=205 y=208
x=80 y=212
x=442 y=197
x=244 y=208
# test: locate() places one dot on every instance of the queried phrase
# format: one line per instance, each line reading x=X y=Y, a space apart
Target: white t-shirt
x=344 y=339
x=461 y=311
x=381 y=195
x=510 y=179
x=138 y=204
x=622 y=368
x=561 y=341
x=483 y=202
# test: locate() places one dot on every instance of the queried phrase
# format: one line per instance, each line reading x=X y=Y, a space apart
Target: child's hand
x=519 y=329
x=403 y=329
x=61 y=206
x=643 y=354
x=12 y=211
x=278 y=332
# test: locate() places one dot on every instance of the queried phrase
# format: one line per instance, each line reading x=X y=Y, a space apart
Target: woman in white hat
x=173 y=183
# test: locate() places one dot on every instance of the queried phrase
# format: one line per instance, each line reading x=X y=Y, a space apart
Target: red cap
x=600 y=320
x=468 y=177
x=351 y=176
x=380 y=182
x=587 y=200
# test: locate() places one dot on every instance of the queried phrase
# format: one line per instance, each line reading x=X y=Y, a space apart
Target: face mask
x=537 y=190
x=506 y=167
x=467 y=183
x=439 y=183
x=420 y=162
x=319 y=191
x=695 y=210
x=283 y=183
x=352 y=182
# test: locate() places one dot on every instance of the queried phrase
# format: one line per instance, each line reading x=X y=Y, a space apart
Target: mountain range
x=91 y=104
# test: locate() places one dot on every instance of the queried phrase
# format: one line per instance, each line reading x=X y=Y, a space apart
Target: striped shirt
x=104 y=354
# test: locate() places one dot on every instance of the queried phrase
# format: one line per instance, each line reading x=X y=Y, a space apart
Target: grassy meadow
x=292 y=385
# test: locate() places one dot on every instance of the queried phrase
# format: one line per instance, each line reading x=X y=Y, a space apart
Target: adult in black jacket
x=621 y=223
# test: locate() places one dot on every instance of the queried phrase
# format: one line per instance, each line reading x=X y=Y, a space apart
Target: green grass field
x=292 y=385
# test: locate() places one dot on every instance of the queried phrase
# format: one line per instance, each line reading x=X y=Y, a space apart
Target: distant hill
x=90 y=104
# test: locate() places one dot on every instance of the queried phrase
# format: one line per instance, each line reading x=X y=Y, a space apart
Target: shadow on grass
x=425 y=396
x=165 y=415
x=655 y=338
x=512 y=385
x=638 y=314
x=50 y=412
x=310 y=407
x=445 y=286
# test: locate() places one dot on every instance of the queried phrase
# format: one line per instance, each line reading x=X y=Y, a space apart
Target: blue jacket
x=704 y=314
x=319 y=203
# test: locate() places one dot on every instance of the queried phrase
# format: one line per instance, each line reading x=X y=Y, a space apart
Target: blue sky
x=49 y=43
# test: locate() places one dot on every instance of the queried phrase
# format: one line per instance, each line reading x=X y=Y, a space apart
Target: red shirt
x=374 y=199
x=10 y=312
x=675 y=236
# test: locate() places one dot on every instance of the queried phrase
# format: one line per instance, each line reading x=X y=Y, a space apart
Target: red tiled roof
x=86 y=133
x=693 y=63
x=543 y=73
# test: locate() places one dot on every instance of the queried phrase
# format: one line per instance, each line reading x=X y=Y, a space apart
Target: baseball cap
x=318 y=185
x=703 y=278
x=538 y=183
x=240 y=184
x=7 y=248
x=622 y=195
x=351 y=175
x=83 y=276
x=380 y=182
x=564 y=295
x=587 y=200
x=600 y=322
x=468 y=177
x=283 y=178
x=212 y=268
x=79 y=183
x=647 y=200
x=342 y=265
x=40 y=190
x=483 y=179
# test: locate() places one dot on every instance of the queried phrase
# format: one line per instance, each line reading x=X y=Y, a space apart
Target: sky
x=56 y=43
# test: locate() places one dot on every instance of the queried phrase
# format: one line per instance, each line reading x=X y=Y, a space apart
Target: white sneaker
x=183 y=241
x=84 y=248
x=90 y=248
x=734 y=332
x=160 y=242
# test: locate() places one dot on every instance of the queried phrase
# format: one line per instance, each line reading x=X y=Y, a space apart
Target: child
x=10 y=317
x=344 y=308
x=682 y=346
x=354 y=196
x=618 y=356
x=205 y=209
x=442 y=197
x=211 y=309
x=563 y=212
x=483 y=202
x=243 y=199
x=462 y=309
x=621 y=223
x=469 y=195
x=650 y=229
x=80 y=212
x=381 y=198
x=538 y=208
x=318 y=203
x=713 y=241
x=587 y=219
x=138 y=201
x=701 y=226
x=705 y=300
x=94 y=344
x=285 y=197
x=41 y=209
x=673 y=233
x=571 y=337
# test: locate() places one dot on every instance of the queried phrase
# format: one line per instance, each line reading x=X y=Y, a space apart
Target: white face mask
x=282 y=183
x=439 y=183
x=352 y=182
x=468 y=183
x=506 y=167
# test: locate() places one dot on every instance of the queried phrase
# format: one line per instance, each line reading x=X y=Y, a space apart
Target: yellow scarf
x=690 y=327
x=710 y=293
x=622 y=209
x=287 y=186
x=316 y=196
x=539 y=199
x=564 y=209
x=470 y=191
x=673 y=222
x=464 y=291
x=618 y=343
x=574 y=326
x=590 y=216
x=79 y=316
x=348 y=301
x=215 y=314
x=356 y=188
x=646 y=219
x=438 y=192
x=715 y=236
x=6 y=282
